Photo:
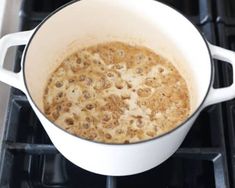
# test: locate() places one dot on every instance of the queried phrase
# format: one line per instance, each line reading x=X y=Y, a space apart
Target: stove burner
x=226 y=35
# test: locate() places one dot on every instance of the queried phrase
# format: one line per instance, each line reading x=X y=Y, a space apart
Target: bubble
x=69 y=121
x=108 y=136
x=86 y=125
x=59 y=84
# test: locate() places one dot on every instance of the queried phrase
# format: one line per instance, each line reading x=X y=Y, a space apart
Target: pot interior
x=141 y=22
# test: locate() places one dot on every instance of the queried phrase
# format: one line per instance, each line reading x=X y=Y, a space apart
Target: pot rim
x=198 y=109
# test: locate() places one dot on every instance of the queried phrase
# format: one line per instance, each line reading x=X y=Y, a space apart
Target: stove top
x=206 y=159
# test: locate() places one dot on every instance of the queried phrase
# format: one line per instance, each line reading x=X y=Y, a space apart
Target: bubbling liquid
x=116 y=93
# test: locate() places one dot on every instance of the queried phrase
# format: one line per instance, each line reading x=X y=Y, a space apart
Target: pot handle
x=226 y=93
x=14 y=39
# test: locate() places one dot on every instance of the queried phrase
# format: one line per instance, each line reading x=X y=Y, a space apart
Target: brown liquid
x=116 y=93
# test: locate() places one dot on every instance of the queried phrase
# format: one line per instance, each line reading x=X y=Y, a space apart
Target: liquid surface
x=116 y=93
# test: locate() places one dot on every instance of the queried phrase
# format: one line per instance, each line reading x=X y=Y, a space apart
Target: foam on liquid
x=116 y=93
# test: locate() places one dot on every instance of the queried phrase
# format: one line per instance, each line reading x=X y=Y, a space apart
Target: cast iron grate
x=226 y=35
x=29 y=159
x=225 y=11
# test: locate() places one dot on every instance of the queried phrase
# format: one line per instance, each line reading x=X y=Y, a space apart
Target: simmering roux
x=116 y=93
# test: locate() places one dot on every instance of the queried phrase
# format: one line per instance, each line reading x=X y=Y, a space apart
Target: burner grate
x=225 y=11
x=226 y=35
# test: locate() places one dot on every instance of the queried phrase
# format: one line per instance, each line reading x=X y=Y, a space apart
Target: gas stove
x=206 y=159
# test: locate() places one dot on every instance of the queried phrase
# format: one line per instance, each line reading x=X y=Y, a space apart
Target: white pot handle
x=14 y=39
x=226 y=93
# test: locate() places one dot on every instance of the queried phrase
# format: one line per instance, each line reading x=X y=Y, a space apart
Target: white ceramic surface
x=142 y=22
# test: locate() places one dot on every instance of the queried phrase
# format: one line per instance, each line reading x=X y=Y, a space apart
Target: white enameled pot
x=141 y=22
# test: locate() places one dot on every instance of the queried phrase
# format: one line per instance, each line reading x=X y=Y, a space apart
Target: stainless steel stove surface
x=205 y=160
